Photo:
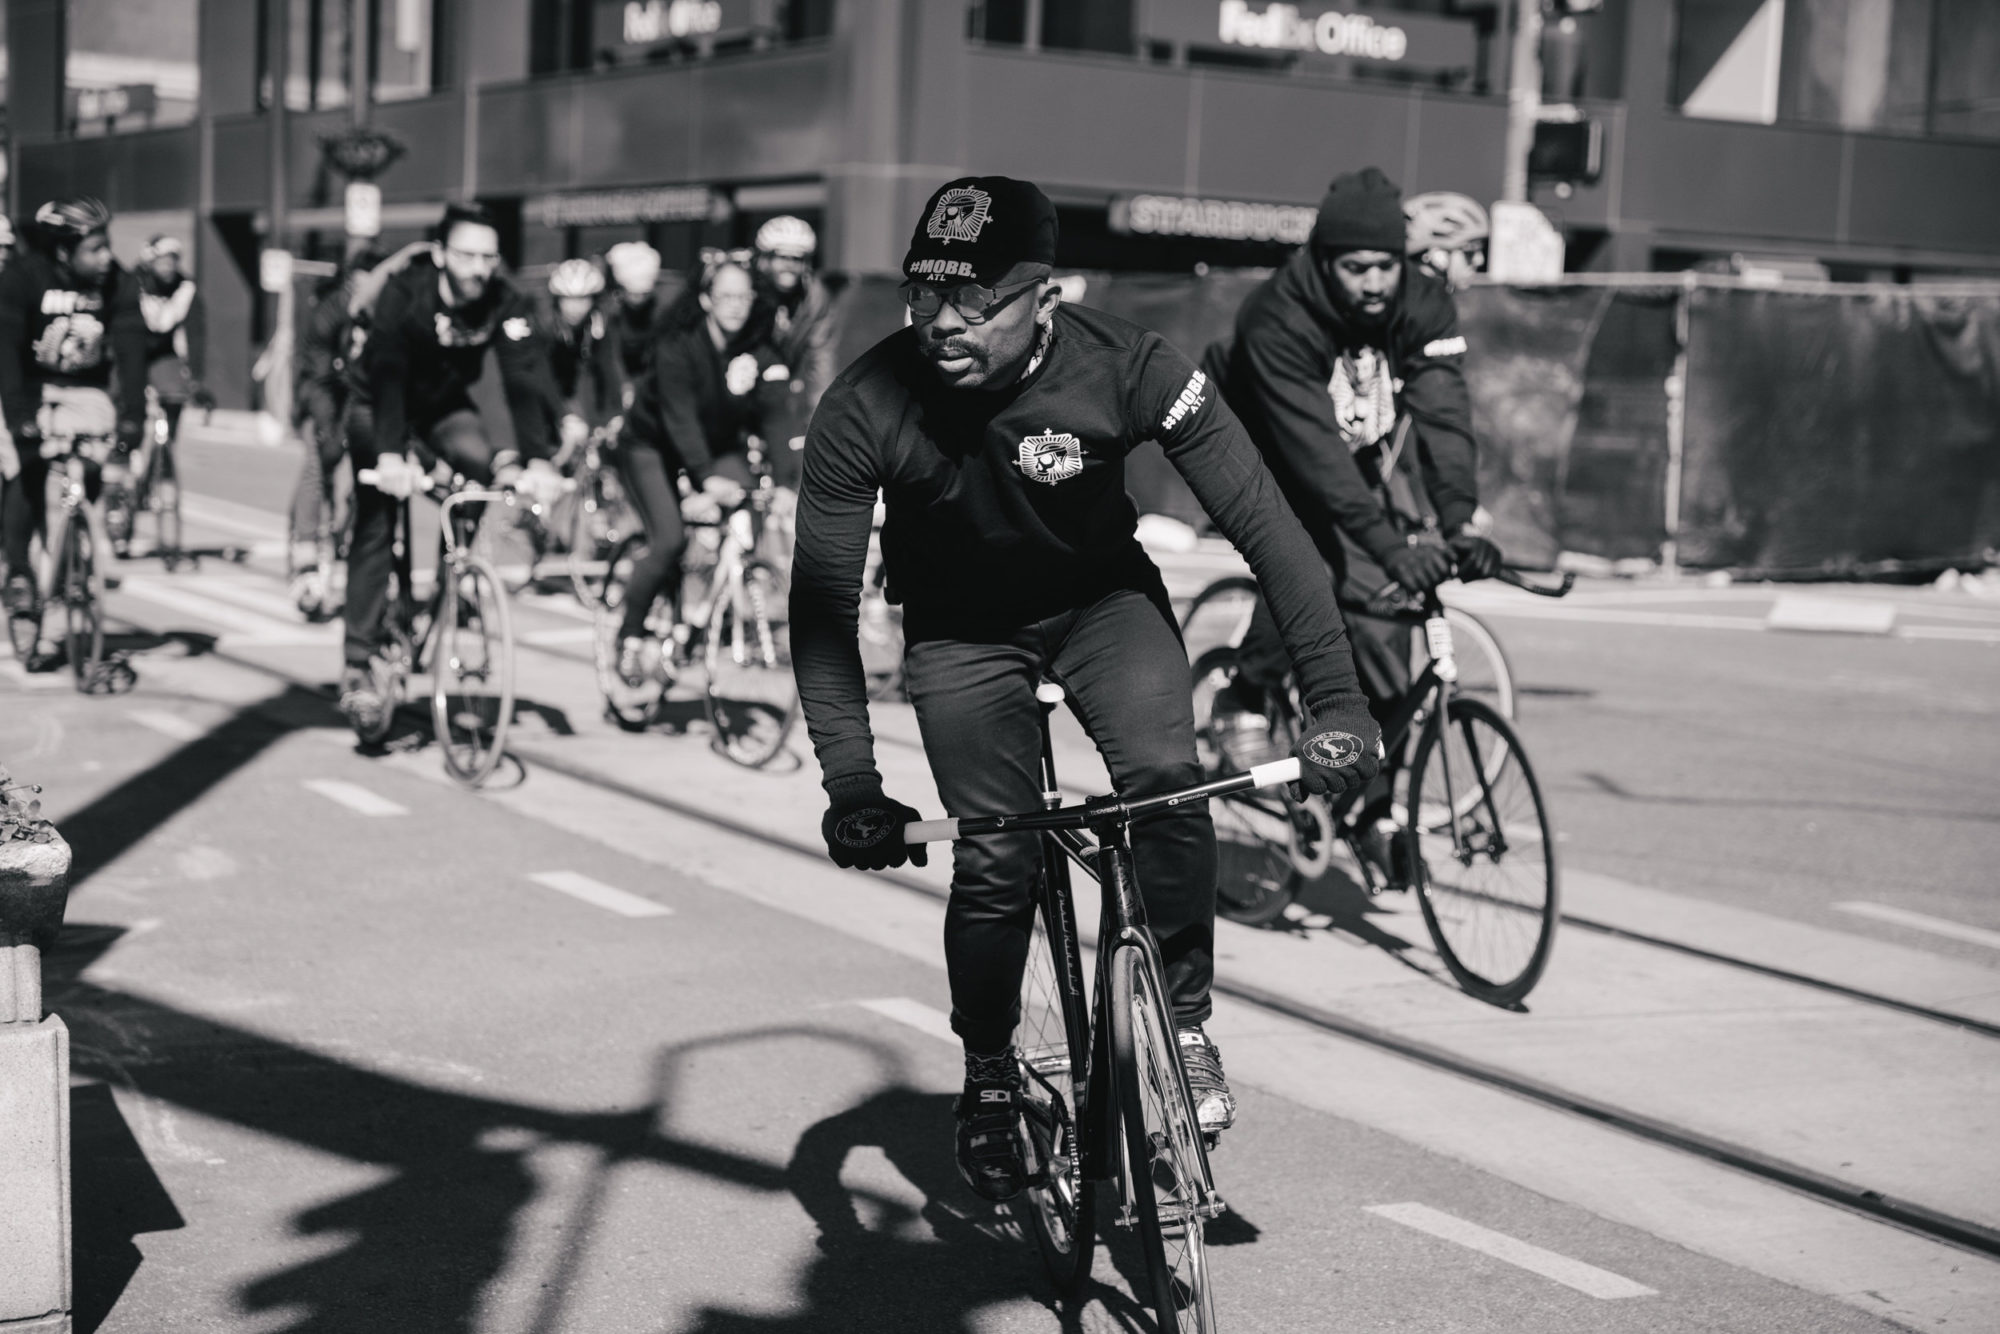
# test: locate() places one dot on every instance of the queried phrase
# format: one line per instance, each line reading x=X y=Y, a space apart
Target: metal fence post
x=34 y=1076
x=1677 y=388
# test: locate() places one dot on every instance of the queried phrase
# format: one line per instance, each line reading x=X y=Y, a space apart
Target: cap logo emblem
x=960 y=215
x=1050 y=457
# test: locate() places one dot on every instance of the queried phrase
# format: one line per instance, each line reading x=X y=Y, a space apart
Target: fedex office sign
x=1282 y=27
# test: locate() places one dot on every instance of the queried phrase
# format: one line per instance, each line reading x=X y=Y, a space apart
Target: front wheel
x=1052 y=1040
x=633 y=705
x=1484 y=862
x=80 y=590
x=1257 y=874
x=752 y=700
x=163 y=502
x=1166 y=1169
x=472 y=671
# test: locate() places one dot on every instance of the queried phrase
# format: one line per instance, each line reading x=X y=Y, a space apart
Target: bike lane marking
x=598 y=894
x=168 y=724
x=355 y=797
x=1585 y=1278
x=1916 y=921
x=923 y=1018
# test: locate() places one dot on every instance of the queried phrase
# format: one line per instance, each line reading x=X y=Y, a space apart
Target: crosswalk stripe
x=566 y=634
x=167 y=724
x=916 y=1014
x=1916 y=921
x=194 y=604
x=263 y=600
x=1585 y=1278
x=598 y=894
x=355 y=797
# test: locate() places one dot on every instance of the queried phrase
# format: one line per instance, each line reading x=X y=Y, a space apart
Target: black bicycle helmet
x=73 y=219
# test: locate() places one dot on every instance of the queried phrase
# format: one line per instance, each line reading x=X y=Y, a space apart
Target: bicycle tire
x=633 y=708
x=1256 y=877
x=1494 y=932
x=81 y=593
x=163 y=501
x=1165 y=1166
x=1484 y=673
x=1053 y=1042
x=594 y=538
x=750 y=696
x=472 y=671
x=1230 y=589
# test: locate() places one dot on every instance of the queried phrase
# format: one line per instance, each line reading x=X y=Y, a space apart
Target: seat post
x=1048 y=694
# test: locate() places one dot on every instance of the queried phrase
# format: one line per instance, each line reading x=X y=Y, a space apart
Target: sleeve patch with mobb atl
x=1445 y=347
x=1190 y=399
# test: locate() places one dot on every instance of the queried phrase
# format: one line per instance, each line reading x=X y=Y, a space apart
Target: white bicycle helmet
x=635 y=266
x=576 y=277
x=787 y=237
x=1444 y=220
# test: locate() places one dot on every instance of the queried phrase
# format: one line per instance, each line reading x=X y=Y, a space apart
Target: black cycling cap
x=976 y=228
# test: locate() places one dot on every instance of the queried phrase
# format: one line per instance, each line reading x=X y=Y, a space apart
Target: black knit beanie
x=1362 y=210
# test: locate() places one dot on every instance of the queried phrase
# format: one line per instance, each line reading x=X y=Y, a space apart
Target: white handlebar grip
x=367 y=476
x=1276 y=772
x=931 y=831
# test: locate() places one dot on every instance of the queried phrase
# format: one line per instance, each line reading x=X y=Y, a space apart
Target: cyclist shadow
x=920 y=1253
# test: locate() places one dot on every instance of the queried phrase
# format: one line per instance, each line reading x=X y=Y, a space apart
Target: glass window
x=319 y=34
x=131 y=64
x=405 y=48
x=1911 y=66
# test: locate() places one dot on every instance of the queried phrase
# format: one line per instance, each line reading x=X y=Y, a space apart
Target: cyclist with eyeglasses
x=72 y=361
x=996 y=428
x=706 y=396
x=432 y=326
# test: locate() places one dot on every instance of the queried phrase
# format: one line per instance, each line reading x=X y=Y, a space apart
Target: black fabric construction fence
x=1827 y=431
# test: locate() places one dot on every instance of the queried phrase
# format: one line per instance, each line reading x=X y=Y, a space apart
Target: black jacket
x=54 y=332
x=422 y=358
x=1289 y=335
x=685 y=407
x=323 y=348
x=1008 y=507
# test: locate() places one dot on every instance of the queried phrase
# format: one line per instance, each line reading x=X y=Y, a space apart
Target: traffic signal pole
x=1524 y=97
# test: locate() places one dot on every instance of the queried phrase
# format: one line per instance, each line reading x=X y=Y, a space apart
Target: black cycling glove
x=1477 y=558
x=1342 y=749
x=1418 y=568
x=864 y=829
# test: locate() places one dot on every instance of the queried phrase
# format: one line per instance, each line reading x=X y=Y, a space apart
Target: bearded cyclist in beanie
x=1328 y=352
x=995 y=428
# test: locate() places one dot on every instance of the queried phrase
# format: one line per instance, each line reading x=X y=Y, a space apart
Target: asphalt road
x=610 y=1047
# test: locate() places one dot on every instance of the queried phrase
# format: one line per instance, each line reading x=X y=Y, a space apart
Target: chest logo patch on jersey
x=450 y=333
x=516 y=329
x=1050 y=457
x=960 y=215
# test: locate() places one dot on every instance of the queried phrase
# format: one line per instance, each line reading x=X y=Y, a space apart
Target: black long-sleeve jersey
x=1290 y=339
x=56 y=331
x=1010 y=506
x=423 y=356
x=176 y=321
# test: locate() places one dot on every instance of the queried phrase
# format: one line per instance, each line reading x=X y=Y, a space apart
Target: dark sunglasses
x=975 y=304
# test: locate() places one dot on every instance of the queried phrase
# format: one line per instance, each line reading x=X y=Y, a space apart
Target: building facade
x=1858 y=136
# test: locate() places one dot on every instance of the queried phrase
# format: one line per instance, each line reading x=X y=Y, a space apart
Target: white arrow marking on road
x=168 y=724
x=1587 y=1279
x=599 y=894
x=1916 y=921
x=355 y=797
x=914 y=1013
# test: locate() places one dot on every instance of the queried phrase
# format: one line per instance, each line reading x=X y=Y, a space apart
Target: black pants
x=24 y=506
x=649 y=479
x=1126 y=671
x=458 y=439
x=312 y=500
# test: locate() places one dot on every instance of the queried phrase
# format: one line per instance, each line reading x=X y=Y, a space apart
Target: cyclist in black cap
x=996 y=428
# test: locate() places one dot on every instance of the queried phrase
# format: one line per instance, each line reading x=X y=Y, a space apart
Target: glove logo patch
x=862 y=829
x=1333 y=750
x=1050 y=457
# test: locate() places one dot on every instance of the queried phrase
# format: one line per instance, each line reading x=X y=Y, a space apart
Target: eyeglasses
x=975 y=304
x=713 y=258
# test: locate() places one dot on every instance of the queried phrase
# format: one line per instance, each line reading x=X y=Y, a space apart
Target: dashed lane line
x=923 y=1018
x=168 y=724
x=1585 y=1278
x=1916 y=921
x=355 y=797
x=598 y=894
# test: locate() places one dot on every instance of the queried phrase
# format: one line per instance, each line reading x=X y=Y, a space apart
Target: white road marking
x=1970 y=634
x=228 y=514
x=193 y=604
x=1824 y=615
x=567 y=634
x=168 y=724
x=1587 y=1279
x=271 y=603
x=1916 y=921
x=556 y=604
x=917 y=1015
x=355 y=797
x=600 y=895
